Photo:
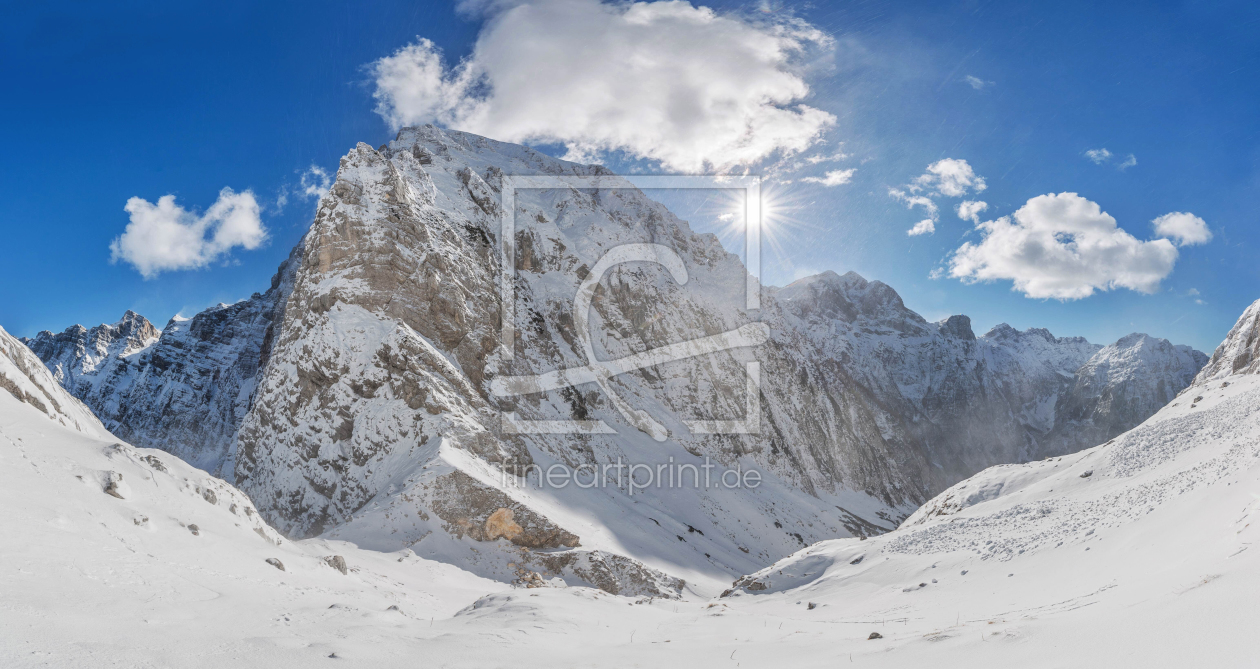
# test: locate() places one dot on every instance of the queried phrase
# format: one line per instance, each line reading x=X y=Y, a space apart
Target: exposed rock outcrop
x=1239 y=353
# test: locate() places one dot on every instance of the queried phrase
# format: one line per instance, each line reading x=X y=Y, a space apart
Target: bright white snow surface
x=1145 y=562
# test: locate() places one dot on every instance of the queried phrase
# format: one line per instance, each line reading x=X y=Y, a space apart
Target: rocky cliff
x=1239 y=353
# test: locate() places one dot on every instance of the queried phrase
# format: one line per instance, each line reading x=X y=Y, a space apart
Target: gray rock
x=337 y=562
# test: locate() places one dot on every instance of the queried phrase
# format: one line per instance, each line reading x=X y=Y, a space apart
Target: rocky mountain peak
x=957 y=327
x=847 y=298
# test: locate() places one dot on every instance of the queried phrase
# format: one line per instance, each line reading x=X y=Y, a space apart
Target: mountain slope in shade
x=1119 y=387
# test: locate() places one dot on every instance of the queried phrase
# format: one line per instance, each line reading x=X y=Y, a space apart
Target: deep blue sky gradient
x=103 y=103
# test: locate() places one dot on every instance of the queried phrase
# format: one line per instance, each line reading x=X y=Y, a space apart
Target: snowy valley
x=324 y=471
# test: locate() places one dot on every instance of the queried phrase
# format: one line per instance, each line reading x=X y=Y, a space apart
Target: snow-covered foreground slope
x=170 y=568
x=1143 y=563
x=1133 y=553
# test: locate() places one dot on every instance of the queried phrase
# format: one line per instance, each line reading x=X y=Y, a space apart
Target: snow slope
x=170 y=568
x=27 y=380
x=1133 y=553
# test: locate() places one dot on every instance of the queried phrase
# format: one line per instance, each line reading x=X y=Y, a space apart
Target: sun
x=773 y=210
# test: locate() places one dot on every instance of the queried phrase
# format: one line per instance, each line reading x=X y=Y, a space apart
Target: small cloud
x=823 y=158
x=727 y=217
x=833 y=178
x=312 y=183
x=315 y=181
x=950 y=177
x=912 y=201
x=925 y=227
x=1099 y=156
x=977 y=83
x=969 y=210
x=1183 y=227
x=1128 y=162
x=1192 y=292
x=165 y=236
x=1063 y=247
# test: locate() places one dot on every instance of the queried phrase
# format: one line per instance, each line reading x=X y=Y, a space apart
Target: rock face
x=1118 y=388
x=183 y=389
x=356 y=398
x=1239 y=353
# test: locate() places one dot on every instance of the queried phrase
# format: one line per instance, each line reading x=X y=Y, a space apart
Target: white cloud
x=925 y=227
x=1128 y=162
x=312 y=183
x=1099 y=156
x=824 y=158
x=667 y=81
x=1183 y=227
x=1064 y=247
x=165 y=236
x=315 y=181
x=833 y=178
x=976 y=82
x=969 y=210
x=951 y=177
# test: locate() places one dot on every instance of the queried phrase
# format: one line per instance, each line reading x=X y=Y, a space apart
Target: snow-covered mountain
x=354 y=399
x=1004 y=397
x=183 y=389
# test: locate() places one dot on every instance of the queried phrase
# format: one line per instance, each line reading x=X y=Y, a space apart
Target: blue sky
x=145 y=100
